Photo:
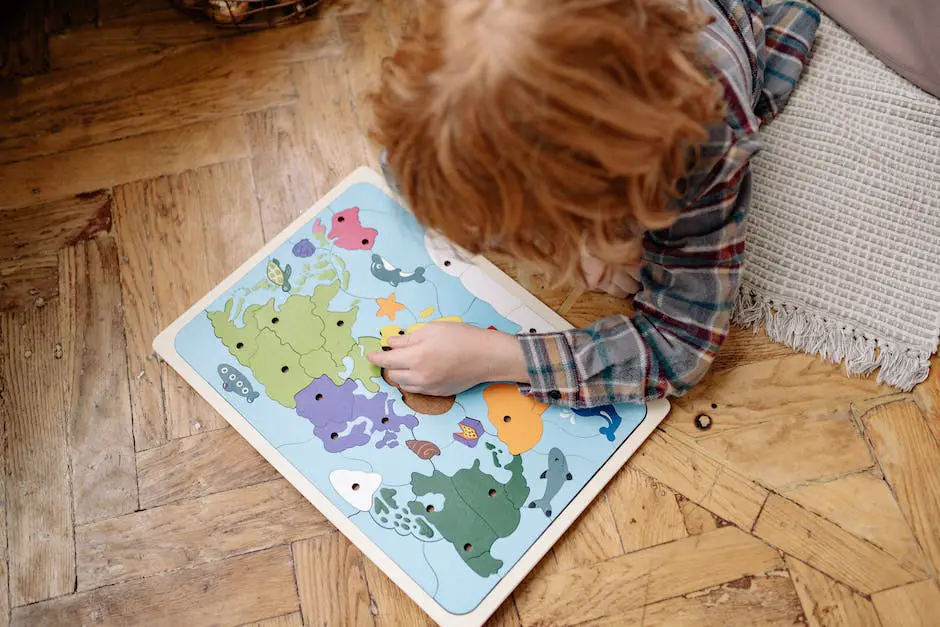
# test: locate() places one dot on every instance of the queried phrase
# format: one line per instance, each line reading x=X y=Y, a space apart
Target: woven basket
x=250 y=14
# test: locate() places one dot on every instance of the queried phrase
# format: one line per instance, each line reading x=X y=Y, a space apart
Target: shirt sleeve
x=689 y=280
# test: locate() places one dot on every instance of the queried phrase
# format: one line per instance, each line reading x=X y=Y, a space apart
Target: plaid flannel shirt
x=691 y=271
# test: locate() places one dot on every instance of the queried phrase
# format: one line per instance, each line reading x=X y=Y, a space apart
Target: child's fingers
x=390 y=360
x=401 y=341
x=401 y=378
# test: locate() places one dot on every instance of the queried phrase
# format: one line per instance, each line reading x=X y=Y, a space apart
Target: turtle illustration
x=278 y=276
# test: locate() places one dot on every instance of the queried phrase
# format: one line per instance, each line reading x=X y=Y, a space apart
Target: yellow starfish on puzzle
x=388 y=307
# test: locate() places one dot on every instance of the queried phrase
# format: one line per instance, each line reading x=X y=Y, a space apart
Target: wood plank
x=100 y=431
x=24 y=49
x=212 y=208
x=244 y=588
x=202 y=464
x=697 y=476
x=912 y=605
x=927 y=395
x=45 y=228
x=825 y=546
x=698 y=519
x=390 y=606
x=367 y=42
x=212 y=528
x=786 y=388
x=910 y=458
x=41 y=549
x=592 y=538
x=505 y=616
x=645 y=512
x=751 y=601
x=293 y=619
x=178 y=65
x=828 y=603
x=591 y=307
x=282 y=166
x=66 y=14
x=161 y=110
x=744 y=346
x=134 y=236
x=135 y=35
x=648 y=576
x=789 y=451
x=114 y=9
x=107 y=165
x=29 y=282
x=340 y=599
x=4 y=553
x=863 y=505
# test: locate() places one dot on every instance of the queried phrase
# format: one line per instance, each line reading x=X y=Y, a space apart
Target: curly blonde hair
x=537 y=127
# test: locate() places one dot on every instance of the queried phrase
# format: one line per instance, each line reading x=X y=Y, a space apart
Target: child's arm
x=690 y=277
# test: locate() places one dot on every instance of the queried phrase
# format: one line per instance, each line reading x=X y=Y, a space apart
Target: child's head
x=533 y=127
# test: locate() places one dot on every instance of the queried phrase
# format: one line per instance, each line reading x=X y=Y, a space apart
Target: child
x=603 y=141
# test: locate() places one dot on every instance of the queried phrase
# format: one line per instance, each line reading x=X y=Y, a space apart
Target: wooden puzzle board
x=455 y=499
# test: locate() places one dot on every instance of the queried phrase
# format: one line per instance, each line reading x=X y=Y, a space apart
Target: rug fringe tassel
x=811 y=333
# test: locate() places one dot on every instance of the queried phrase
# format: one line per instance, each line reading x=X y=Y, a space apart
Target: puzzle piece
x=517 y=418
x=477 y=511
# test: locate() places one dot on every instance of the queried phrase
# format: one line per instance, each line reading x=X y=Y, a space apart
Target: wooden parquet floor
x=149 y=157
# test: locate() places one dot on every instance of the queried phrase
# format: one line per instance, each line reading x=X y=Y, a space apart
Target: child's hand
x=619 y=281
x=444 y=358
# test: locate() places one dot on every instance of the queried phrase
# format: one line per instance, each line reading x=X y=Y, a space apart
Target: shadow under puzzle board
x=454 y=499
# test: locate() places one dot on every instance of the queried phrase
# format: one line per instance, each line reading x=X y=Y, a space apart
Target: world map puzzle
x=454 y=490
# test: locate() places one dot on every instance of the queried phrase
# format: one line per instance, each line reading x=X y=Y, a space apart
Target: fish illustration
x=384 y=271
x=347 y=232
x=470 y=430
x=608 y=413
x=556 y=475
x=279 y=276
x=423 y=448
x=233 y=381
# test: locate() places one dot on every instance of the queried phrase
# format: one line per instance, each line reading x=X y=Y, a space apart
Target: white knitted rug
x=843 y=256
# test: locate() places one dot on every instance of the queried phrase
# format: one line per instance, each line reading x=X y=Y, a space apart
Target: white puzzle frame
x=164 y=345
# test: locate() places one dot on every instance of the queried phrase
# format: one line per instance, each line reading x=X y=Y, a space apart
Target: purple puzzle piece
x=331 y=408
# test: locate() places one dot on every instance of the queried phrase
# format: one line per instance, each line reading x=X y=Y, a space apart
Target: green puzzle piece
x=242 y=342
x=477 y=510
x=304 y=337
x=277 y=367
x=295 y=324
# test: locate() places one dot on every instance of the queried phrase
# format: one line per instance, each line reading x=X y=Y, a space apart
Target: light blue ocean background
x=436 y=566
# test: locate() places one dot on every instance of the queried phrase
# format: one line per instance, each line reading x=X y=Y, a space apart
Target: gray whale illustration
x=556 y=475
x=235 y=382
x=384 y=271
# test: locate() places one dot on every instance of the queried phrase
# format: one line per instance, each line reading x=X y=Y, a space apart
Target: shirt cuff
x=552 y=372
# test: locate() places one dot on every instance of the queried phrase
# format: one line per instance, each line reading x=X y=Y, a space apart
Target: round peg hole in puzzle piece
x=355 y=487
x=429 y=509
x=275 y=320
x=532 y=330
x=284 y=368
x=401 y=332
x=384 y=420
x=703 y=422
x=714 y=405
x=318 y=397
x=447 y=263
x=340 y=323
x=334 y=435
x=507 y=418
x=365 y=242
x=468 y=547
x=240 y=345
x=492 y=492
x=341 y=219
